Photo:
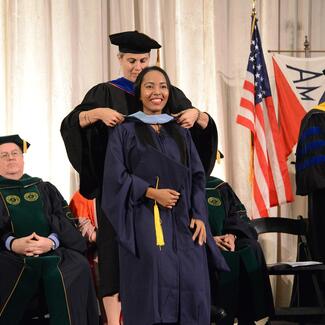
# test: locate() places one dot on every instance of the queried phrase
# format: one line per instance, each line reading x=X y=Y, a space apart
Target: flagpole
x=251 y=156
x=268 y=171
x=253 y=16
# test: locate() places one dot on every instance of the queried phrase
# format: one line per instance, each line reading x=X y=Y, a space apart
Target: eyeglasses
x=14 y=154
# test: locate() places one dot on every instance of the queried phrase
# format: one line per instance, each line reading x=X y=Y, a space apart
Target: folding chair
x=295 y=312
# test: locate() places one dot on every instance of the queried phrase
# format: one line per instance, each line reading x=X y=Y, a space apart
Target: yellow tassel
x=24 y=146
x=218 y=157
x=320 y=106
x=159 y=232
x=158 y=58
x=158 y=229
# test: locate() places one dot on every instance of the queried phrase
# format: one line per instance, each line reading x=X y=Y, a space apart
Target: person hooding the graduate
x=84 y=132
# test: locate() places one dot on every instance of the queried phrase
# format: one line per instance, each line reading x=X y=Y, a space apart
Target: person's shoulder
x=128 y=124
x=98 y=86
x=177 y=126
x=102 y=87
x=184 y=131
x=315 y=118
x=313 y=113
x=214 y=182
x=46 y=184
x=125 y=129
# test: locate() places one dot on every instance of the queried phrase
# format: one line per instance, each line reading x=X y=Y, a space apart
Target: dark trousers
x=38 y=270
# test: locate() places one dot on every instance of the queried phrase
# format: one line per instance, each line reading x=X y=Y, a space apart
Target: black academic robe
x=310 y=154
x=86 y=148
x=73 y=265
x=245 y=292
x=310 y=176
x=171 y=283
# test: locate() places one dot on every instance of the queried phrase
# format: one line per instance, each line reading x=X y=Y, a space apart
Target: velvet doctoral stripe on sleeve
x=86 y=147
x=310 y=154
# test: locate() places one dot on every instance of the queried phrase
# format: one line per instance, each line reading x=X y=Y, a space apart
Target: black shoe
x=217 y=313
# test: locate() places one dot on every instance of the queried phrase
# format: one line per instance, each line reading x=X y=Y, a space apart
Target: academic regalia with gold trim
x=245 y=292
x=30 y=205
x=310 y=174
x=168 y=283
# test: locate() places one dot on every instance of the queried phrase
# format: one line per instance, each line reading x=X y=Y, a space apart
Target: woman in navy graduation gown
x=149 y=158
x=84 y=132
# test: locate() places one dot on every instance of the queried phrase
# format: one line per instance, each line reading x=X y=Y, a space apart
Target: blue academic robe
x=171 y=283
x=86 y=149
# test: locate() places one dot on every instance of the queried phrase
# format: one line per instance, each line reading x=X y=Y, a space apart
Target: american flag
x=270 y=177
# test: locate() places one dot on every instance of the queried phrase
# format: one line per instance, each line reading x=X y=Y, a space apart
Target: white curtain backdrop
x=53 y=51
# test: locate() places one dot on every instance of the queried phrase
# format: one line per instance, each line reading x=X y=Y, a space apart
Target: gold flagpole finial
x=253 y=7
x=253 y=16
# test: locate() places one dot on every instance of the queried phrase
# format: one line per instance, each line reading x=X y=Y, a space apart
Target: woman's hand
x=226 y=242
x=164 y=196
x=87 y=229
x=200 y=231
x=188 y=117
x=107 y=115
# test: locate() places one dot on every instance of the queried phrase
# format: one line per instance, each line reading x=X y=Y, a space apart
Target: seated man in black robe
x=39 y=247
x=310 y=174
x=245 y=292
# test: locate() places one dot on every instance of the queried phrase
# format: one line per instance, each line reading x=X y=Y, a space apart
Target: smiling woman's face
x=154 y=92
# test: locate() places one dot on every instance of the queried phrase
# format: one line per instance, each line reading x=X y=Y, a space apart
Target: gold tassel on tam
x=218 y=157
x=159 y=232
x=320 y=106
x=158 y=58
x=24 y=146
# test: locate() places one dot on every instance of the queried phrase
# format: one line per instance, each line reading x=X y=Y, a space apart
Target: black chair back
x=302 y=273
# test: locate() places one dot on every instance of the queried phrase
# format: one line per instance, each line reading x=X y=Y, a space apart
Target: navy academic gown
x=171 y=283
x=86 y=148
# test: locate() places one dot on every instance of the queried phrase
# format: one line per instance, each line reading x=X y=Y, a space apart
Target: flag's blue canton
x=257 y=66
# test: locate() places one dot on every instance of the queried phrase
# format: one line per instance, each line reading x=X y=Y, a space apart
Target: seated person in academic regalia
x=40 y=247
x=245 y=292
x=310 y=175
x=85 y=211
